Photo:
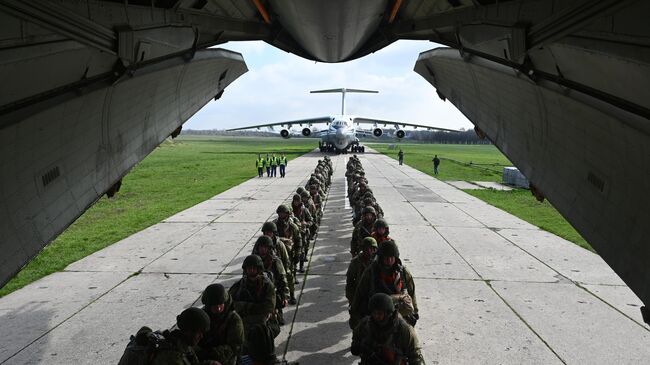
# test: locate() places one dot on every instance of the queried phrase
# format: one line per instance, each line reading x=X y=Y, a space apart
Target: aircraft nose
x=339 y=133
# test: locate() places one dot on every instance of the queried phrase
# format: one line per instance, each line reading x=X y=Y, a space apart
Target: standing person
x=274 y=166
x=267 y=164
x=400 y=156
x=224 y=341
x=259 y=163
x=283 y=164
x=383 y=337
x=436 y=163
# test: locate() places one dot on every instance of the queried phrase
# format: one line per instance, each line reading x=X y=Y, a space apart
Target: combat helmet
x=305 y=195
x=214 y=294
x=283 y=209
x=388 y=248
x=253 y=260
x=193 y=320
x=269 y=227
x=300 y=190
x=368 y=242
x=368 y=210
x=264 y=240
x=381 y=302
x=381 y=222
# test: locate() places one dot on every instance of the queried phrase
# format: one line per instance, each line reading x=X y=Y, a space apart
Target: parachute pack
x=142 y=347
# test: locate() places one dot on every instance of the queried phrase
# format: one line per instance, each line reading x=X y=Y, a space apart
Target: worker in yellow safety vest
x=260 y=163
x=282 y=161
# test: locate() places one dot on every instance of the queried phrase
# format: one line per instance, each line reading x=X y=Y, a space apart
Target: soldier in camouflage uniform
x=178 y=346
x=311 y=208
x=384 y=337
x=304 y=220
x=280 y=250
x=265 y=249
x=386 y=275
x=371 y=202
x=380 y=231
x=316 y=198
x=358 y=265
x=224 y=341
x=289 y=232
x=254 y=300
x=363 y=229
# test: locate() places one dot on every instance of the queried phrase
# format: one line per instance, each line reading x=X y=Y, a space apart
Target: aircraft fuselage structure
x=340 y=133
x=90 y=87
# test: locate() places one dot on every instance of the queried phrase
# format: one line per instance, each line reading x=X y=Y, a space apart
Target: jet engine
x=400 y=133
x=377 y=132
x=306 y=132
x=285 y=133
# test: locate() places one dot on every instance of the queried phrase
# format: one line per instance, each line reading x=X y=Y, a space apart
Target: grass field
x=485 y=163
x=457 y=162
x=182 y=173
x=176 y=176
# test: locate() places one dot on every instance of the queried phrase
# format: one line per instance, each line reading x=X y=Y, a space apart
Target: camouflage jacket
x=360 y=232
x=302 y=214
x=273 y=265
x=282 y=252
x=369 y=284
x=357 y=266
x=254 y=300
x=288 y=229
x=224 y=341
x=397 y=344
x=175 y=351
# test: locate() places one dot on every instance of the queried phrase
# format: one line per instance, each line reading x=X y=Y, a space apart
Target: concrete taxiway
x=492 y=289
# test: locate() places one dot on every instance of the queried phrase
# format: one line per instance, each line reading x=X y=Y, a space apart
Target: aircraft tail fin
x=343 y=91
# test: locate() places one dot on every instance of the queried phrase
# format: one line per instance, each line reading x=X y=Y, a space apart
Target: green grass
x=522 y=204
x=485 y=163
x=457 y=162
x=176 y=176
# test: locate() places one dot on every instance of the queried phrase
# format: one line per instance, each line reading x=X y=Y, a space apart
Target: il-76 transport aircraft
x=342 y=130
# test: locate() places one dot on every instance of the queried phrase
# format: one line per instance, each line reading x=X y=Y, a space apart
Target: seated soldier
x=384 y=337
x=254 y=300
x=178 y=346
x=362 y=229
x=358 y=265
x=380 y=231
x=265 y=249
x=387 y=275
x=224 y=341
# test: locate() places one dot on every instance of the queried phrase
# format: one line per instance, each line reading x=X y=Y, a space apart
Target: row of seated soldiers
x=239 y=325
x=379 y=288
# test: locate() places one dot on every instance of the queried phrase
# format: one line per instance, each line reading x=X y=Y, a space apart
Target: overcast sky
x=276 y=88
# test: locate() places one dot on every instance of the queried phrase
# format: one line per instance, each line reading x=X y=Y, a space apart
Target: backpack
x=142 y=347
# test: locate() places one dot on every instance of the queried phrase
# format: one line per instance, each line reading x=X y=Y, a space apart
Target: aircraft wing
x=288 y=124
x=396 y=124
